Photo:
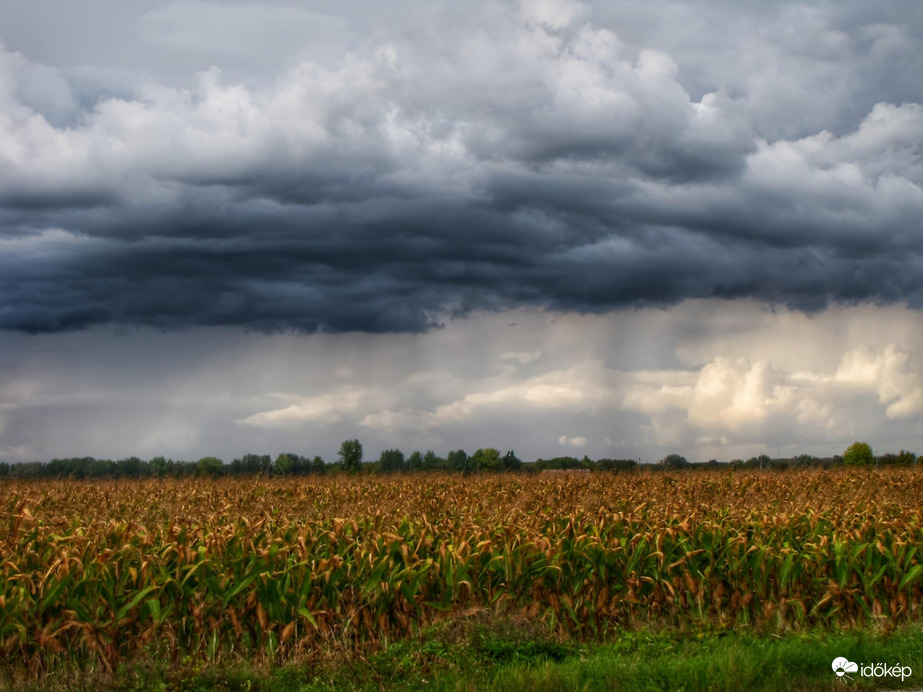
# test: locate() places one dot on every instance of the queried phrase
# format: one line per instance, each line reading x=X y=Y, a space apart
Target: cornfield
x=106 y=570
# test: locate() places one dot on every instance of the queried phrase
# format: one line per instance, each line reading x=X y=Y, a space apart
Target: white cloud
x=579 y=388
x=734 y=393
x=890 y=373
x=346 y=402
x=578 y=441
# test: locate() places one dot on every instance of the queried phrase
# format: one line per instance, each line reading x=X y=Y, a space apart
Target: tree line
x=350 y=459
x=858 y=454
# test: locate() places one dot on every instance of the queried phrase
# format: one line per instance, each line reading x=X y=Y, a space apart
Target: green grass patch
x=735 y=661
x=510 y=655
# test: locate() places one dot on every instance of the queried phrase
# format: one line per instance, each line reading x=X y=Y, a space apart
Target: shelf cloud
x=540 y=158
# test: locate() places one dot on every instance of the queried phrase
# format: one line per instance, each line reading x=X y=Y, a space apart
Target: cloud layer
x=549 y=154
x=705 y=383
x=643 y=227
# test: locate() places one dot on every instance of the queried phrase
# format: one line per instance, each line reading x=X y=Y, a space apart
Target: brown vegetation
x=112 y=569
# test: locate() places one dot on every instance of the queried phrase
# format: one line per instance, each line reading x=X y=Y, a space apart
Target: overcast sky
x=620 y=229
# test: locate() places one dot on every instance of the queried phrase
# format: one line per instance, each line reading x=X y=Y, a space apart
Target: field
x=94 y=574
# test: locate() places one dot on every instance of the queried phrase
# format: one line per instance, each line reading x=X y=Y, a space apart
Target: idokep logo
x=842 y=667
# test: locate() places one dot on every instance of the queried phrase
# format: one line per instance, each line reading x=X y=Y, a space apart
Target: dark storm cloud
x=559 y=155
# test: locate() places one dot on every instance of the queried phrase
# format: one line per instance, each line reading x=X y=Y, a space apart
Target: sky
x=622 y=229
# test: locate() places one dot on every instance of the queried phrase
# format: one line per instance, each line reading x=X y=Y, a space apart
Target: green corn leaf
x=52 y=595
x=239 y=588
x=911 y=577
x=306 y=614
x=124 y=610
x=153 y=606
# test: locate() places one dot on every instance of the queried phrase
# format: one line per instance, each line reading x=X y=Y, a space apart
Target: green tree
x=350 y=455
x=431 y=462
x=858 y=454
x=616 y=464
x=511 y=462
x=487 y=459
x=132 y=467
x=285 y=464
x=210 y=466
x=255 y=463
x=458 y=460
x=674 y=461
x=318 y=465
x=905 y=458
x=391 y=460
x=158 y=466
x=415 y=461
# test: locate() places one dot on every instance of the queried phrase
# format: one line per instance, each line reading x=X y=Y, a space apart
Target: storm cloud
x=351 y=171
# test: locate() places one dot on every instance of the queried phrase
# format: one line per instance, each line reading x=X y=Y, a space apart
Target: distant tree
x=458 y=460
x=487 y=459
x=186 y=468
x=905 y=458
x=132 y=467
x=27 y=469
x=284 y=464
x=300 y=465
x=102 y=467
x=158 y=466
x=511 y=462
x=391 y=460
x=616 y=464
x=318 y=465
x=62 y=468
x=565 y=463
x=350 y=455
x=431 y=462
x=805 y=459
x=858 y=454
x=886 y=459
x=255 y=463
x=674 y=461
x=209 y=466
x=415 y=461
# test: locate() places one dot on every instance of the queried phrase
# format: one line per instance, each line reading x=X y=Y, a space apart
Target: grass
x=729 y=662
x=507 y=655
